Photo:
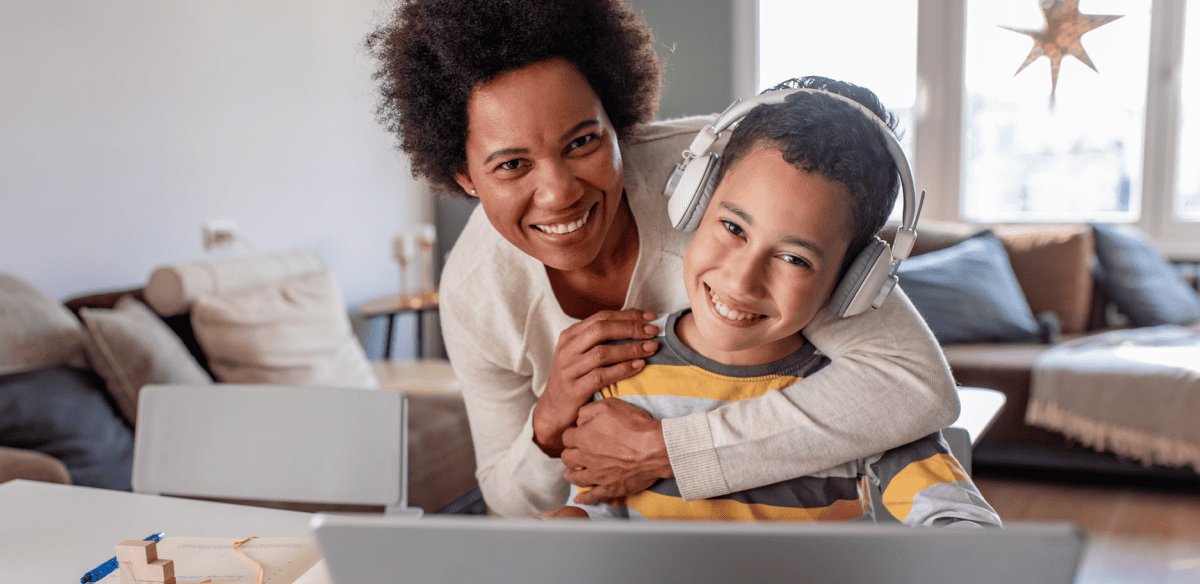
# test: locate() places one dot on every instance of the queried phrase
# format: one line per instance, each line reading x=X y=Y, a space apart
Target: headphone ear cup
x=865 y=270
x=690 y=199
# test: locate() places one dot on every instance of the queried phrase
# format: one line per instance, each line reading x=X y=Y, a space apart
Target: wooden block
x=157 y=571
x=137 y=551
x=126 y=571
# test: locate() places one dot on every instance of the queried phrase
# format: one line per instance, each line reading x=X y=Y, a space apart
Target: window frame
x=938 y=114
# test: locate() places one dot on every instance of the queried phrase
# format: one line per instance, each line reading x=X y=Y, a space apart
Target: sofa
x=998 y=297
x=70 y=372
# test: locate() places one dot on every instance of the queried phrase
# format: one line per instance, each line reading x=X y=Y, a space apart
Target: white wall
x=125 y=125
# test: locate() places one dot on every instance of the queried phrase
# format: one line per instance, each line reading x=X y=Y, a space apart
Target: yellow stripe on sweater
x=657 y=506
x=681 y=380
x=918 y=476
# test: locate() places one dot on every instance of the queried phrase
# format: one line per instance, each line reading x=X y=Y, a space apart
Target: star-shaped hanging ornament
x=1061 y=36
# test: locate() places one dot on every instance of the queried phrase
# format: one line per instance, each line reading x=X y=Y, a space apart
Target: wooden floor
x=1137 y=531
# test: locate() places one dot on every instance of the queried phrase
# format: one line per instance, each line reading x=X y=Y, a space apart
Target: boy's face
x=765 y=258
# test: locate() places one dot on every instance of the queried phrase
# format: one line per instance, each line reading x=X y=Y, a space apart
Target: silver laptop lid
x=450 y=549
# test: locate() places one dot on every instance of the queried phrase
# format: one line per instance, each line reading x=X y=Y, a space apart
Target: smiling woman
x=542 y=109
x=543 y=159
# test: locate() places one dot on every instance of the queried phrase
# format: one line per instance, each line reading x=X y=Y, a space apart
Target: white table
x=56 y=533
x=980 y=407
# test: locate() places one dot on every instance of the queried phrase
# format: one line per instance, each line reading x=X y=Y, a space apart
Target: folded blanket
x=1134 y=392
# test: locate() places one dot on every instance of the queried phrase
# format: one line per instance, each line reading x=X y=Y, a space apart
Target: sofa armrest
x=18 y=463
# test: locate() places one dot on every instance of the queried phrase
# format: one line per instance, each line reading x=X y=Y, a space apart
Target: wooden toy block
x=137 y=552
x=126 y=572
x=157 y=571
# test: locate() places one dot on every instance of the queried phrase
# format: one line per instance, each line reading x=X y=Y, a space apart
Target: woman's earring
x=472 y=191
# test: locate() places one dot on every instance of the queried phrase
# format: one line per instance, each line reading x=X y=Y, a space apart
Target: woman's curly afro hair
x=432 y=53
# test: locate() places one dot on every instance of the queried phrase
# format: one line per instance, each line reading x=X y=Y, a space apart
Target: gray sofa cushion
x=1146 y=287
x=969 y=293
x=65 y=413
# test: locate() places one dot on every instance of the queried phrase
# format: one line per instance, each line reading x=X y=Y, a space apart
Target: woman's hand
x=583 y=365
x=615 y=448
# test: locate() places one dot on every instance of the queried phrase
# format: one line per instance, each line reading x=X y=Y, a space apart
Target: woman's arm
x=887 y=384
x=517 y=479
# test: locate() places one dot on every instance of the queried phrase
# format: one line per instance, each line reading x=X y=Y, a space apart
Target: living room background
x=125 y=126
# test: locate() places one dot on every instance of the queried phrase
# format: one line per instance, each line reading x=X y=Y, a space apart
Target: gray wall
x=696 y=38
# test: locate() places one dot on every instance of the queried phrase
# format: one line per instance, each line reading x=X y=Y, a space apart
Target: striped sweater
x=921 y=482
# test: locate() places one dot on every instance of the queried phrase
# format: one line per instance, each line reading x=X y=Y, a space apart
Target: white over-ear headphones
x=872 y=275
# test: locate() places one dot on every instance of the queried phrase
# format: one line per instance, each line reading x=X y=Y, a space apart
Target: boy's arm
x=887 y=384
x=923 y=485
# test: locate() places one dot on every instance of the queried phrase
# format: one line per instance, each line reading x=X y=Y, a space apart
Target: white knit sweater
x=888 y=383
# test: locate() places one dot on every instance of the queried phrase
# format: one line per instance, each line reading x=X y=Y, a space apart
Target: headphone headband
x=872 y=274
x=906 y=234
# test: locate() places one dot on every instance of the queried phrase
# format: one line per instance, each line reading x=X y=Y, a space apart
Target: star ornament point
x=1061 y=36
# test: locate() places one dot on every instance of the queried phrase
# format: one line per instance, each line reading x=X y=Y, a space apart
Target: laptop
x=464 y=549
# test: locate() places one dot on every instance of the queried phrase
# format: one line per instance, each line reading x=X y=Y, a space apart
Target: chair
x=271 y=443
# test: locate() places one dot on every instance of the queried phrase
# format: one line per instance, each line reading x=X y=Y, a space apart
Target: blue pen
x=107 y=567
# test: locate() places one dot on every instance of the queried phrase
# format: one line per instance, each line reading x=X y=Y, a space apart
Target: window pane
x=1078 y=160
x=1187 y=194
x=872 y=43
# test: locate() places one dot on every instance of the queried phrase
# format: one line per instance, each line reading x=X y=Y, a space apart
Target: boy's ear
x=464 y=180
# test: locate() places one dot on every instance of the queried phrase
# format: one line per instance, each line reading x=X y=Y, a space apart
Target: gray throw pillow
x=1146 y=287
x=969 y=293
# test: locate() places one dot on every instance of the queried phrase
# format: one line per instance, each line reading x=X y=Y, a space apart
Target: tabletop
x=980 y=408
x=56 y=533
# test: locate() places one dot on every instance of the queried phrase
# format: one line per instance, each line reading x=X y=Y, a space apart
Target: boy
x=804 y=185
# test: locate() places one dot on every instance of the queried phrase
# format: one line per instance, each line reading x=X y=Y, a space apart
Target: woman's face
x=542 y=158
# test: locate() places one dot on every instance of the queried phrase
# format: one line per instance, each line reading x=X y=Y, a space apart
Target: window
x=1187 y=190
x=835 y=40
x=986 y=143
x=1077 y=158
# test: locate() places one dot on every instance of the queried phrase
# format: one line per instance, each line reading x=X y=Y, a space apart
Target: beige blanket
x=1134 y=392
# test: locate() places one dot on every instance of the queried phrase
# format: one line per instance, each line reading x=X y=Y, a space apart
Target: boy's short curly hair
x=822 y=134
x=432 y=53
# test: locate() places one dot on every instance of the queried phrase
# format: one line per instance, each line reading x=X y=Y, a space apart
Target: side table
x=396 y=304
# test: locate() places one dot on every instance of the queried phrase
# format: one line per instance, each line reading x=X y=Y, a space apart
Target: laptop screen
x=480 y=549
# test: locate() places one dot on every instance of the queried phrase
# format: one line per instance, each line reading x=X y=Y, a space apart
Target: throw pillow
x=295 y=332
x=37 y=330
x=968 y=293
x=130 y=346
x=1146 y=287
x=1053 y=266
x=63 y=412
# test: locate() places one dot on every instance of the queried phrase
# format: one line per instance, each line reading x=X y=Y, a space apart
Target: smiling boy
x=805 y=184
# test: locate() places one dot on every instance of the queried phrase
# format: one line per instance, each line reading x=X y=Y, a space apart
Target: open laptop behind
x=368 y=550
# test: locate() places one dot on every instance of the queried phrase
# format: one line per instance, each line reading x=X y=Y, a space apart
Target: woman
x=541 y=110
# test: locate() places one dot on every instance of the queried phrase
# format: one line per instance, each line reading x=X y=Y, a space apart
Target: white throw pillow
x=295 y=332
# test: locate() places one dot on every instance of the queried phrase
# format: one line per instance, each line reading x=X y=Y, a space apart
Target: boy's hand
x=566 y=512
x=583 y=365
x=616 y=449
